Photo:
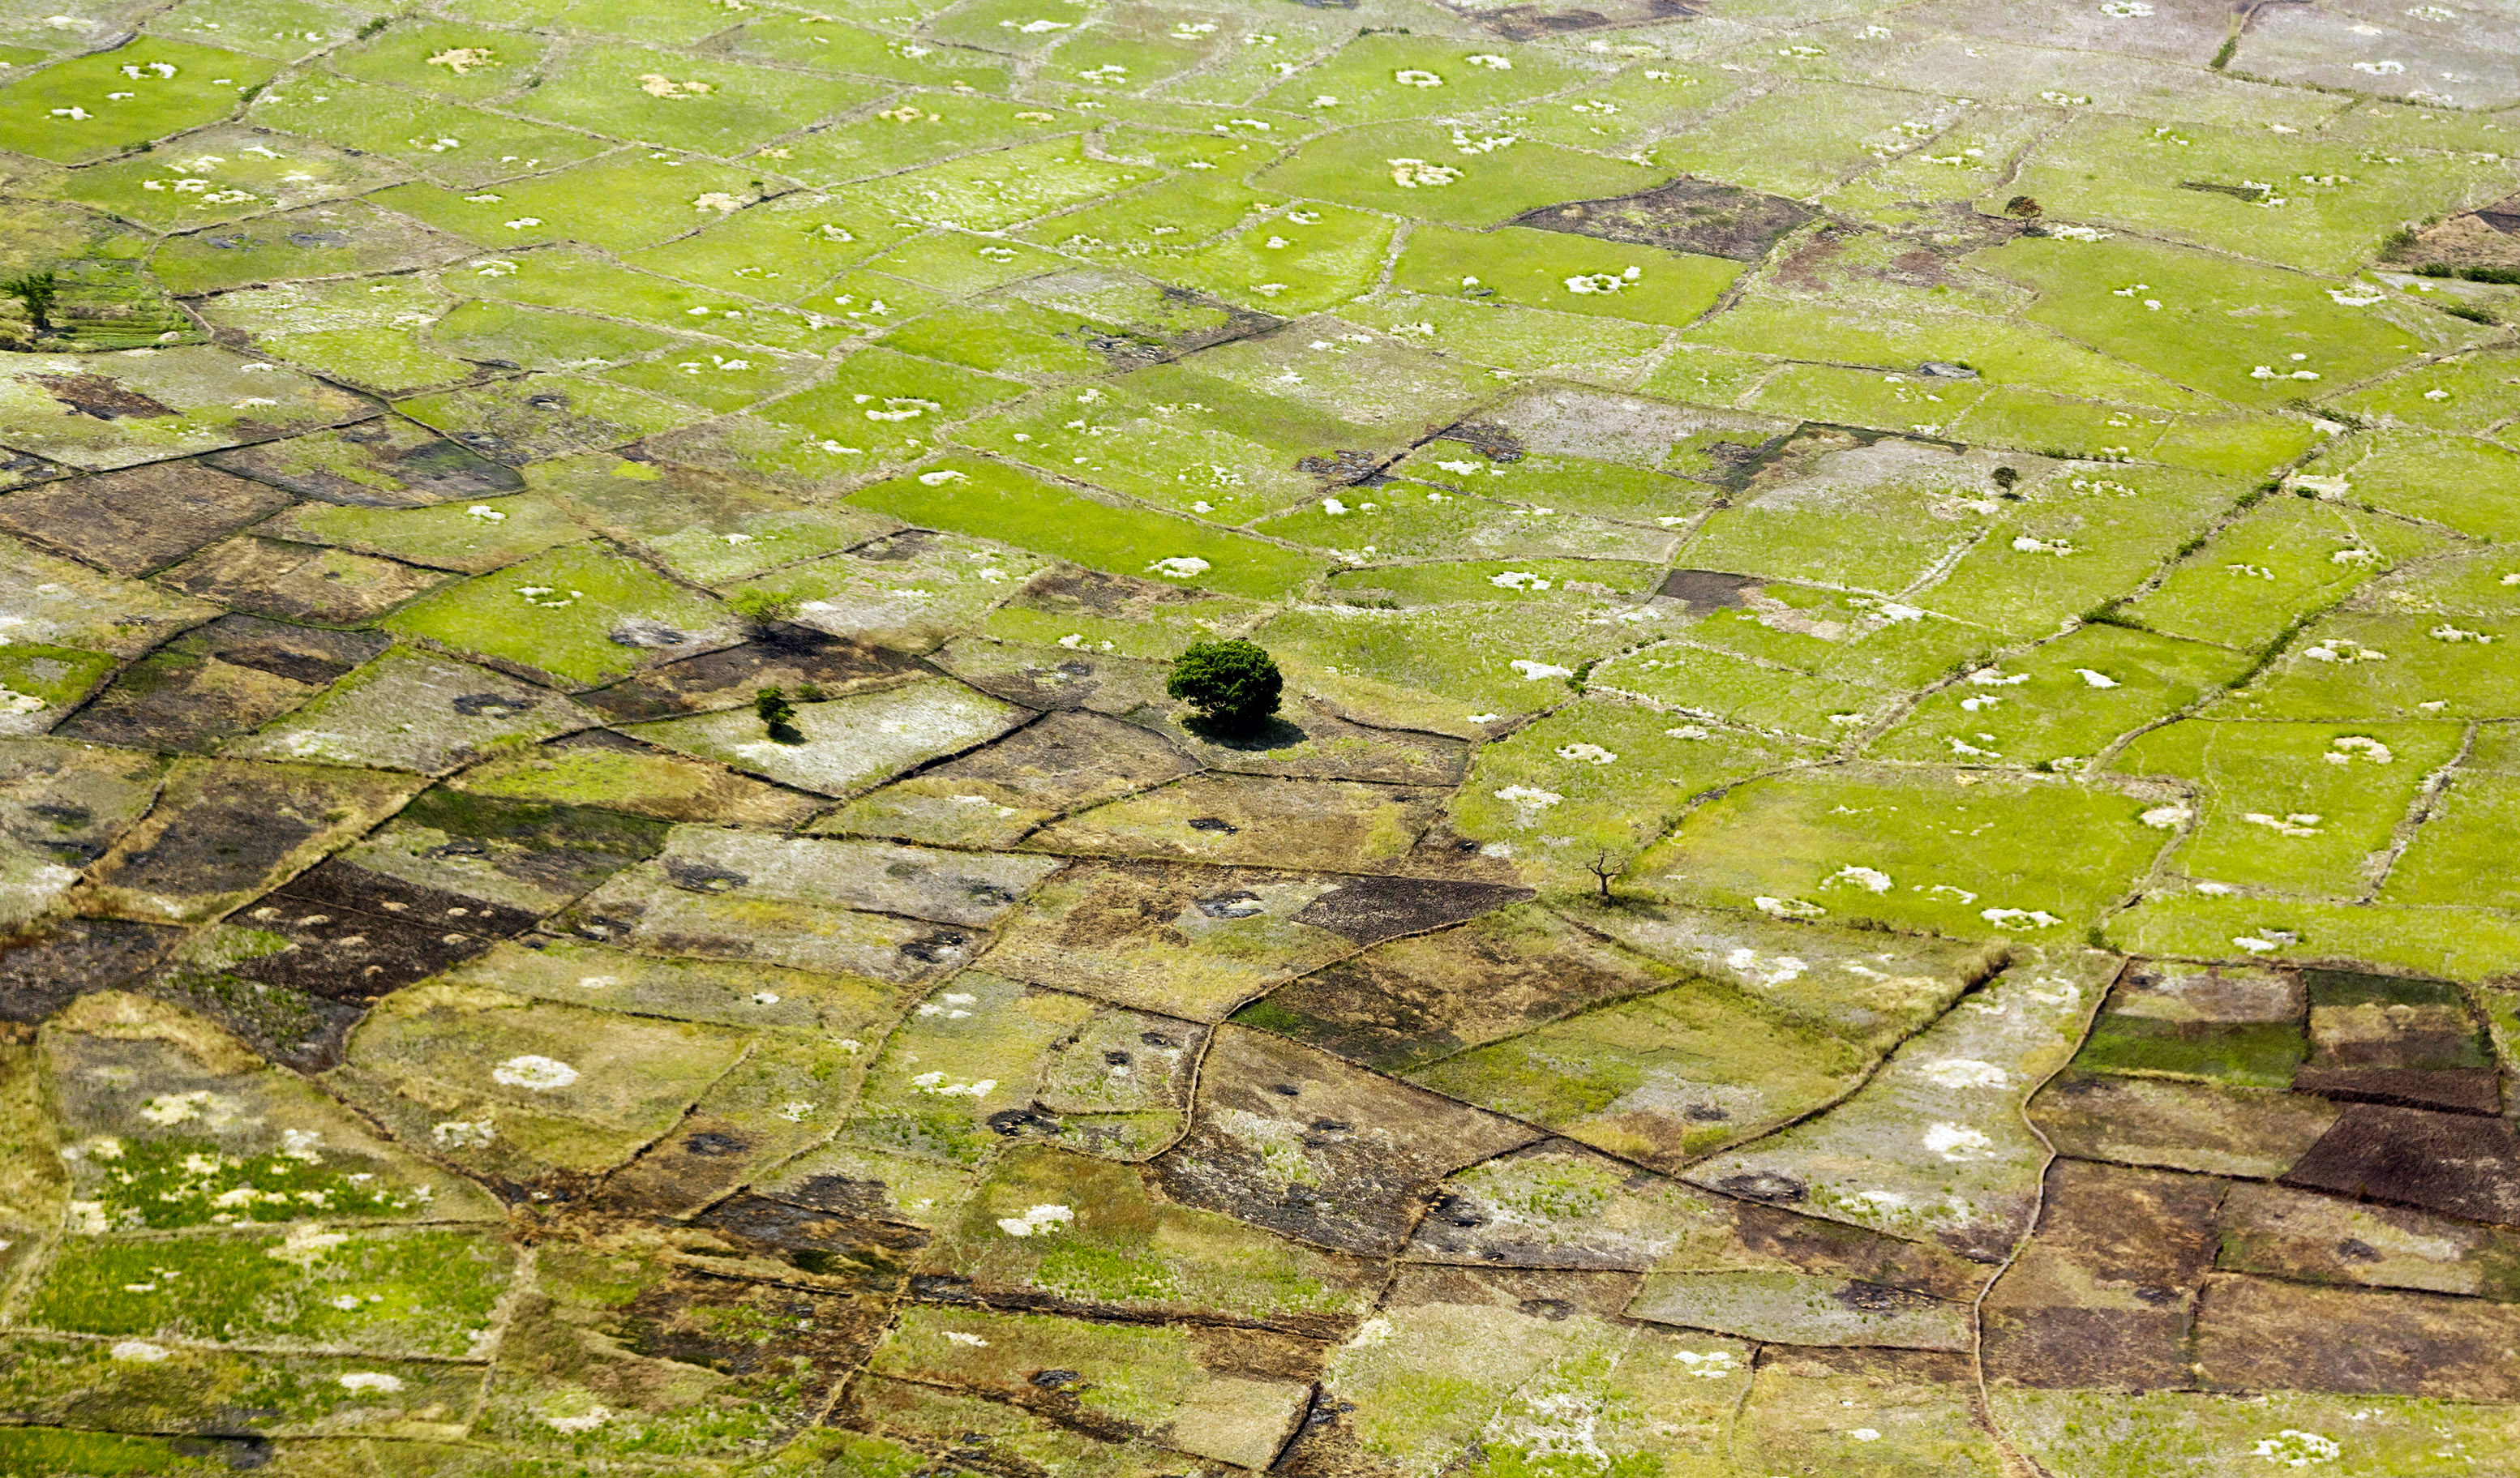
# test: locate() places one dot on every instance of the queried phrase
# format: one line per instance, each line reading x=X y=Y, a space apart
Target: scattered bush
x=762 y=609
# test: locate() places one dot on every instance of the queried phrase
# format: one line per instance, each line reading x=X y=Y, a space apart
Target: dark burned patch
x=1414 y=1003
x=758 y=1330
x=1878 y=1298
x=101 y=396
x=2253 y=1335
x=1070 y=590
x=2251 y=194
x=1685 y=215
x=1122 y=351
x=21 y=468
x=891 y=548
x=1766 y=1186
x=1103 y=685
x=405 y=466
x=1371 y=910
x=139 y=519
x=786 y=658
x=1068 y=755
x=2464 y=1165
x=702 y=877
x=290 y=1027
x=41 y=973
x=561 y=850
x=1346 y=469
x=829 y=1226
x=1704 y=591
x=229 y=839
x=2457 y=1089
x=1487 y=438
x=1239 y=322
x=2136 y=1243
x=1540 y=22
x=1262 y=1097
x=193 y=694
x=1866 y=1258
x=356 y=934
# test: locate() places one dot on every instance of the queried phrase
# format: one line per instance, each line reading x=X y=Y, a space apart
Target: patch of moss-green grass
x=464 y=148
x=457 y=61
x=2221 y=327
x=1375 y=77
x=1597 y=781
x=2282 y=560
x=2302 y=807
x=2075 y=539
x=112 y=101
x=2060 y=704
x=2244 y=1055
x=559 y=612
x=2467 y=485
x=971 y=495
x=471 y=537
x=678 y=100
x=1455 y=175
x=621 y=201
x=2294 y=200
x=782 y=248
x=418 y=1292
x=1951 y=852
x=1572 y=274
x=365 y=333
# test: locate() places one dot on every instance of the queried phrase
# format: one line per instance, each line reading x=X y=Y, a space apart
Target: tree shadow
x=1272 y=733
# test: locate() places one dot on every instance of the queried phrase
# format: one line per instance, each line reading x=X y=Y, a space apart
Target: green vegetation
x=1233 y=685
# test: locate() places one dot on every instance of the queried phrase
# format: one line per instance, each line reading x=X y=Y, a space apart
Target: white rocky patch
x=1869 y=879
x=2019 y=919
x=2293 y=1447
x=2342 y=750
x=1963 y=1072
x=1957 y=1141
x=1037 y=1221
x=534 y=1072
x=1410 y=174
x=461 y=1134
x=370 y=1380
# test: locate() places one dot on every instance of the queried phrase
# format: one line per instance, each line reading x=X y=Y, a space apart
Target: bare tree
x=1603 y=869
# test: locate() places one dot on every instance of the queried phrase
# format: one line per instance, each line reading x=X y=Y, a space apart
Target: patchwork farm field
x=1886 y=844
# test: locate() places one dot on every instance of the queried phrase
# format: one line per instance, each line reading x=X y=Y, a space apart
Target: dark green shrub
x=778 y=715
x=1234 y=683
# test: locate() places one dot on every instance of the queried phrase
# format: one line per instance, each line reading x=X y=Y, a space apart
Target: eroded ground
x=1890 y=850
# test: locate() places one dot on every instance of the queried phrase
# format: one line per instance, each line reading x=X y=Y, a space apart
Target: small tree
x=1234 y=683
x=1603 y=868
x=778 y=716
x=37 y=290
